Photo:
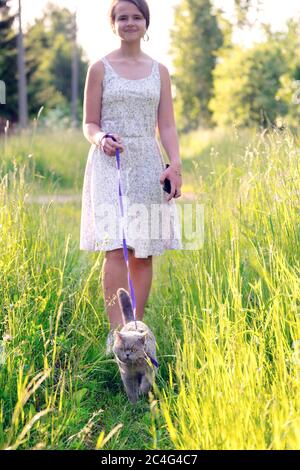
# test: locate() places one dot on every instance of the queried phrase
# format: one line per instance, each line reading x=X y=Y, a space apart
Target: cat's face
x=129 y=347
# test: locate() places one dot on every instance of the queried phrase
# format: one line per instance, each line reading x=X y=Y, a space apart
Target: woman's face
x=130 y=24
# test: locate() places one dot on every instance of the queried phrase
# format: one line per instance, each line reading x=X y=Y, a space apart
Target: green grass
x=54 y=161
x=226 y=317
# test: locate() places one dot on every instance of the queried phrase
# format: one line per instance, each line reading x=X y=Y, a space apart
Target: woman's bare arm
x=168 y=134
x=92 y=103
x=166 y=120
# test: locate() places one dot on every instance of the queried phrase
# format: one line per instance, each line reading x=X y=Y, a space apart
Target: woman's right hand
x=109 y=146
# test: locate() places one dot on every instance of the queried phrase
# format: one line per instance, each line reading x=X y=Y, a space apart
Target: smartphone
x=167 y=183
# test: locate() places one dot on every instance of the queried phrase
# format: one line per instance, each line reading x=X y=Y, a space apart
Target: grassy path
x=226 y=316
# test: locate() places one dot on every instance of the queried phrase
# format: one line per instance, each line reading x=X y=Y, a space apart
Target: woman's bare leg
x=114 y=276
x=141 y=270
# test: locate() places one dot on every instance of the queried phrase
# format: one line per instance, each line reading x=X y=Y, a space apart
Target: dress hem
x=153 y=253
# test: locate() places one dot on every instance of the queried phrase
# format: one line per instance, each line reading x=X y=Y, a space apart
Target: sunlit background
x=97 y=39
x=55 y=68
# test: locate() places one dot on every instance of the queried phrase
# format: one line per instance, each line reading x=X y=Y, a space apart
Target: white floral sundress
x=151 y=223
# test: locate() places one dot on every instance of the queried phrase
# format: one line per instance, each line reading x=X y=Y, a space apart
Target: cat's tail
x=125 y=305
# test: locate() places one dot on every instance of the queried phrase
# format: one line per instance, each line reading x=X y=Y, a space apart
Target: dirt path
x=55 y=198
x=65 y=199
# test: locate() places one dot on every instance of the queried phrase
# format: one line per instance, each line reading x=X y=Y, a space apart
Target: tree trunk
x=74 y=74
x=23 y=105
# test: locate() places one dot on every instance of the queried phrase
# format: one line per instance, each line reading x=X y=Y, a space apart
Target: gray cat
x=135 y=351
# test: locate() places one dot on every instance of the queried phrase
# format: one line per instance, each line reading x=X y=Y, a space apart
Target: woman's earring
x=146 y=40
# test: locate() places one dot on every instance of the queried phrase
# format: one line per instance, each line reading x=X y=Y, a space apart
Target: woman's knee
x=115 y=255
x=141 y=262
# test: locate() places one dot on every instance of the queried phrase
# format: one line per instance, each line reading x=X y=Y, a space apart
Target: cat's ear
x=142 y=338
x=118 y=336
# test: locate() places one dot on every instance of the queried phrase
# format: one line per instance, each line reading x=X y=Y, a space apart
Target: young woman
x=128 y=95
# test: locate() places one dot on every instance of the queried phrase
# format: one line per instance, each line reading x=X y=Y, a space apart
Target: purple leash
x=125 y=250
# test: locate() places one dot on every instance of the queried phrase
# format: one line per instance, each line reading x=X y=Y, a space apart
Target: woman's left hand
x=173 y=174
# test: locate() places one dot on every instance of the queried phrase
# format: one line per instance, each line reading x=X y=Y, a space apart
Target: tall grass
x=53 y=160
x=226 y=316
x=58 y=390
x=51 y=330
x=235 y=384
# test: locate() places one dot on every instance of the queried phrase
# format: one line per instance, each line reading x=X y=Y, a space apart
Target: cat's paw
x=144 y=388
x=133 y=399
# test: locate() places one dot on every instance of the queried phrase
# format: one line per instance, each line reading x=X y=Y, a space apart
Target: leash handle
x=125 y=250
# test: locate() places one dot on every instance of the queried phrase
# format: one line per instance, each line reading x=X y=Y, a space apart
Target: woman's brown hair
x=141 y=5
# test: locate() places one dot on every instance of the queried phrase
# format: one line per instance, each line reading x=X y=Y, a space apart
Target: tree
x=242 y=8
x=22 y=83
x=195 y=39
x=75 y=70
x=289 y=91
x=246 y=83
x=41 y=89
x=49 y=46
x=8 y=61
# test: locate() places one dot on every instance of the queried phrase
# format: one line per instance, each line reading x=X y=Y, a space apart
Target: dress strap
x=156 y=69
x=110 y=69
x=107 y=66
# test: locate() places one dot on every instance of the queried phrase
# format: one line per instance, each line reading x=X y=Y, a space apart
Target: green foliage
x=195 y=39
x=49 y=43
x=289 y=91
x=242 y=8
x=245 y=86
x=257 y=86
x=8 y=61
x=41 y=89
x=48 y=54
x=44 y=159
x=219 y=83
